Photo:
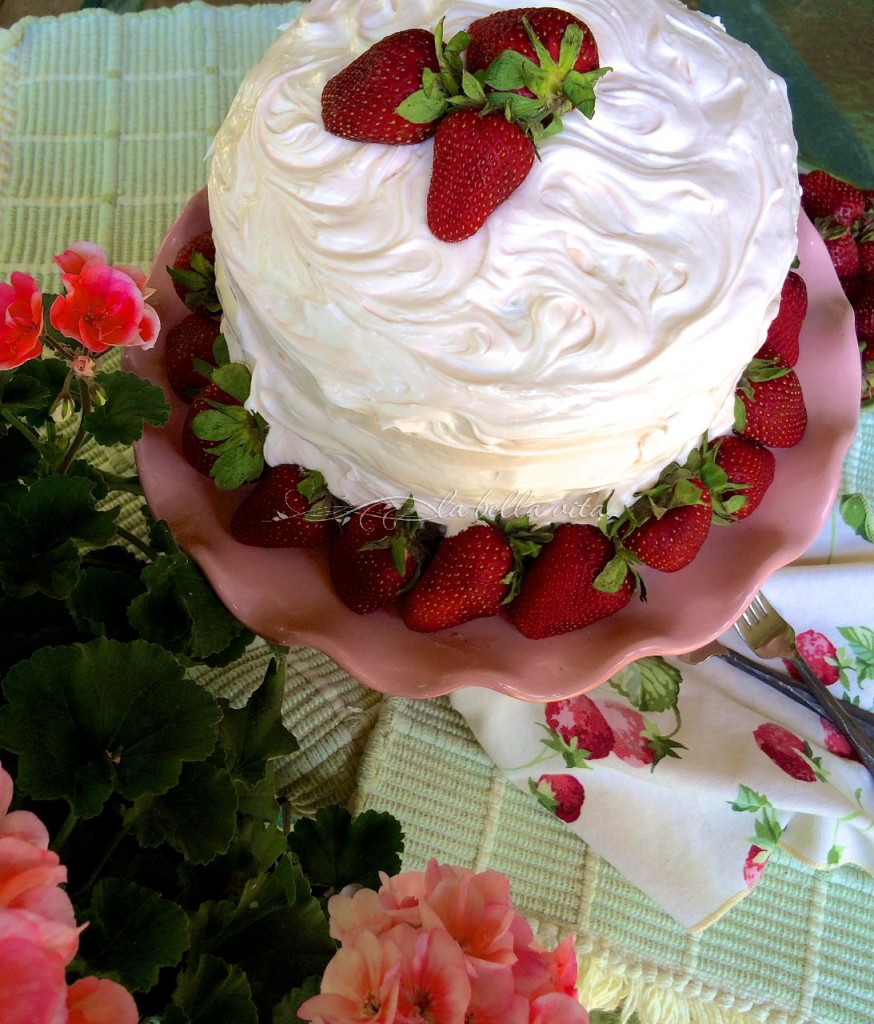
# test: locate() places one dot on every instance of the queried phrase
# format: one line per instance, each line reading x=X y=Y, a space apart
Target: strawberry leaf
x=571 y=44
x=235 y=379
x=506 y=73
x=649 y=684
x=857 y=511
x=579 y=89
x=748 y=799
x=422 y=108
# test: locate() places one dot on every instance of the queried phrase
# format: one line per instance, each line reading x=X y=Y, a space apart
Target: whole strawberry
x=198 y=452
x=360 y=102
x=771 y=410
x=374 y=557
x=787 y=750
x=505 y=30
x=749 y=470
x=471 y=576
x=863 y=310
x=561 y=795
x=479 y=161
x=579 y=723
x=825 y=196
x=558 y=593
x=193 y=274
x=781 y=343
x=670 y=539
x=189 y=350
x=843 y=251
x=289 y=507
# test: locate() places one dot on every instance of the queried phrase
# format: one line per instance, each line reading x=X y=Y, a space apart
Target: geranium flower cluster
x=444 y=946
x=103 y=307
x=39 y=936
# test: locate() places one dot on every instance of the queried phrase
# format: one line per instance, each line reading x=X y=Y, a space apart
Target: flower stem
x=64 y=832
x=133 y=539
x=81 y=433
x=116 y=482
x=15 y=422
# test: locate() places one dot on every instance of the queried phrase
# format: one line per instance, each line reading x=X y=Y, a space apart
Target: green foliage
x=160 y=798
x=336 y=850
x=649 y=684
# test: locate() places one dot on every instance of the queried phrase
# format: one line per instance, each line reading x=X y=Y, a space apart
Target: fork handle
x=837 y=712
x=789 y=687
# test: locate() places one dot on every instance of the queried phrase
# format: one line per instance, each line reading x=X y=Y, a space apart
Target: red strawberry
x=193 y=274
x=558 y=593
x=754 y=865
x=374 y=556
x=628 y=726
x=842 y=249
x=288 y=508
x=580 y=724
x=746 y=463
x=865 y=248
x=670 y=541
x=504 y=30
x=359 y=102
x=561 y=794
x=781 y=342
x=195 y=449
x=788 y=751
x=820 y=653
x=479 y=161
x=863 y=308
x=825 y=196
x=191 y=339
x=472 y=575
x=771 y=411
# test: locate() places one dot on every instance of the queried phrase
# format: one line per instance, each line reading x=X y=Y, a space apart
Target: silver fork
x=768 y=635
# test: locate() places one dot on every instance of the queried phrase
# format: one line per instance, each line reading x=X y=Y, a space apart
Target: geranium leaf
x=279 y=937
x=285 y=1012
x=254 y=733
x=180 y=610
x=130 y=403
x=214 y=992
x=649 y=684
x=130 y=719
x=132 y=932
x=177 y=817
x=100 y=600
x=336 y=849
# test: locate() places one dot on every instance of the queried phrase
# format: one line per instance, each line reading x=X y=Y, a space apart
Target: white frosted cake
x=589 y=334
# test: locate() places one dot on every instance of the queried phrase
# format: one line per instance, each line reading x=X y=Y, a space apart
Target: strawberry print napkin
x=685 y=777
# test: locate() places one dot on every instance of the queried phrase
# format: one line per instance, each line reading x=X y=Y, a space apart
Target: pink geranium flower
x=557 y=1008
x=21 y=320
x=351 y=915
x=434 y=984
x=100 y=1001
x=33 y=988
x=360 y=985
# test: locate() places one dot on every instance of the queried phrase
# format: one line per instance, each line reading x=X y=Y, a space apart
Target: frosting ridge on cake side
x=591 y=332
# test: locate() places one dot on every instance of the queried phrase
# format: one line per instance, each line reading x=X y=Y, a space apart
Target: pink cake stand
x=286 y=596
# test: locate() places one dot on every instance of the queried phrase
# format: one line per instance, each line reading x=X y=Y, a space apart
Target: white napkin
x=755 y=768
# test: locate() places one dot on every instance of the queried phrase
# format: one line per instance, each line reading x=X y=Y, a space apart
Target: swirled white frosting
x=589 y=334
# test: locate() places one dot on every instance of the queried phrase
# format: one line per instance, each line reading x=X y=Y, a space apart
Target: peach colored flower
x=537 y=971
x=104 y=308
x=557 y=1008
x=22 y=825
x=21 y=320
x=482 y=929
x=494 y=999
x=33 y=989
x=100 y=1001
x=434 y=983
x=350 y=915
x=360 y=985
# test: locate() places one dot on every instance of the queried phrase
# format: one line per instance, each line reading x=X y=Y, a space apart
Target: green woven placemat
x=104 y=124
